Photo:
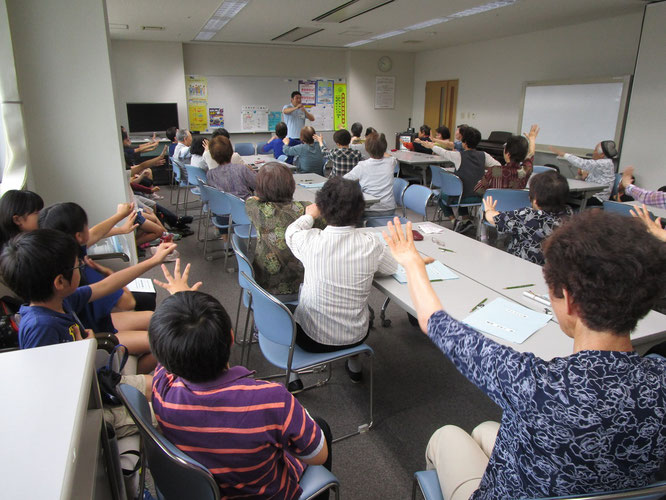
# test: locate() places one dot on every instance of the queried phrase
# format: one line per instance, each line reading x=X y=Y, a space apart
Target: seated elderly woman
x=310 y=157
x=340 y=262
x=271 y=211
x=229 y=177
x=592 y=421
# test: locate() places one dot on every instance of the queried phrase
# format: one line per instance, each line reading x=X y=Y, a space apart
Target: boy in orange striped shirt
x=253 y=435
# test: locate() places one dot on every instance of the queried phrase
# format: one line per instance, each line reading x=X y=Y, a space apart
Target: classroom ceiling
x=260 y=21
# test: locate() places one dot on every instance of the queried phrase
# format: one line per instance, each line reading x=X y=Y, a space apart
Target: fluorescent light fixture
x=356 y=44
x=116 y=26
x=482 y=8
x=215 y=24
x=205 y=35
x=426 y=24
x=388 y=35
x=220 y=18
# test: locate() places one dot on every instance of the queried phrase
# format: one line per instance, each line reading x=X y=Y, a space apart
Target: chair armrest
x=113 y=255
x=106 y=341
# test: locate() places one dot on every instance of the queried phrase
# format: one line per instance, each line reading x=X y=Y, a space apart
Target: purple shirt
x=245 y=431
x=232 y=178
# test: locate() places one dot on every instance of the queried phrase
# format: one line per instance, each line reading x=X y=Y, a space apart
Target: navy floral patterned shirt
x=593 y=421
x=528 y=228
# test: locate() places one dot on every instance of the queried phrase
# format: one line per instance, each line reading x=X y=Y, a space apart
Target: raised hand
x=313 y=210
x=163 y=251
x=489 y=204
x=653 y=226
x=532 y=134
x=627 y=176
x=125 y=209
x=402 y=243
x=128 y=226
x=177 y=282
x=558 y=152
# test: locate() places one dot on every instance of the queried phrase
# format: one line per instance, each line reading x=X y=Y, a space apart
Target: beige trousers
x=461 y=459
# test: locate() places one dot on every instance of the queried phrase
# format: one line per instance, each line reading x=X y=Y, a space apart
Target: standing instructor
x=294 y=116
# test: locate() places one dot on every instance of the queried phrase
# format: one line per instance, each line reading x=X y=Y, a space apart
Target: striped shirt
x=245 y=431
x=653 y=198
x=340 y=263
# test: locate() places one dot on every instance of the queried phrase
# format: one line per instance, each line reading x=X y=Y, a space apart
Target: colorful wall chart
x=197 y=102
x=215 y=117
x=340 y=106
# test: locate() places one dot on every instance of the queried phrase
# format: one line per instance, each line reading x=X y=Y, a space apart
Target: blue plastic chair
x=195 y=175
x=622 y=208
x=416 y=198
x=507 y=200
x=218 y=205
x=436 y=180
x=616 y=185
x=244 y=269
x=175 y=474
x=277 y=340
x=240 y=221
x=180 y=176
x=451 y=193
x=399 y=187
x=244 y=148
x=430 y=489
x=260 y=148
x=282 y=158
x=540 y=169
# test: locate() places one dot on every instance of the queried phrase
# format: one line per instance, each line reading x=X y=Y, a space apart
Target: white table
x=420 y=160
x=587 y=189
x=256 y=161
x=50 y=423
x=484 y=273
x=308 y=194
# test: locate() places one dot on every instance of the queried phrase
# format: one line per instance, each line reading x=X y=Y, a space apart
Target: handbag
x=108 y=378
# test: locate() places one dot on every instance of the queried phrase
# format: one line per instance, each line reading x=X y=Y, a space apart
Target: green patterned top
x=275 y=267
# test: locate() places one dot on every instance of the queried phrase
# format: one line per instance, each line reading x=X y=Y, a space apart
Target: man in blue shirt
x=294 y=116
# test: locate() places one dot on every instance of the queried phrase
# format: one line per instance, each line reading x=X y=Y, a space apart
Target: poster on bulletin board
x=340 y=106
x=274 y=117
x=308 y=90
x=324 y=92
x=197 y=102
x=254 y=118
x=215 y=117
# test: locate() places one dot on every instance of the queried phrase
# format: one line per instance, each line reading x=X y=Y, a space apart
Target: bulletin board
x=249 y=104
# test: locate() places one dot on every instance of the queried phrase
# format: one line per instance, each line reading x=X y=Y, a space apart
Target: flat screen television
x=151 y=117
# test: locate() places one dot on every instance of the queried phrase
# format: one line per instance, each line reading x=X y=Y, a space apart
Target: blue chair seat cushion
x=429 y=483
x=278 y=354
x=314 y=478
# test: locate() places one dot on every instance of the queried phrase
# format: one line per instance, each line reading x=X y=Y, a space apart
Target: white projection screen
x=575 y=115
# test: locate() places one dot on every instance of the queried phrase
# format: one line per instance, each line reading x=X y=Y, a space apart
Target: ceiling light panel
x=220 y=18
x=205 y=35
x=482 y=8
x=388 y=35
x=230 y=8
x=215 y=24
x=426 y=24
x=360 y=42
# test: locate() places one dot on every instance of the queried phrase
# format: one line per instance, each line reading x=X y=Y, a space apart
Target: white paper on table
x=141 y=285
x=507 y=320
x=436 y=272
x=430 y=228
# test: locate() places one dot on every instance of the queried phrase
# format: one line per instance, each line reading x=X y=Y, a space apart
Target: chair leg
x=247 y=337
x=382 y=315
x=240 y=299
x=363 y=427
x=206 y=234
x=414 y=483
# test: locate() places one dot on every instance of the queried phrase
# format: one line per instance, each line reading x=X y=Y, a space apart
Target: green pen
x=518 y=286
x=446 y=250
x=479 y=305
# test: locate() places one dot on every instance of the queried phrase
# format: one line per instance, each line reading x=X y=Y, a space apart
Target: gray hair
x=181 y=135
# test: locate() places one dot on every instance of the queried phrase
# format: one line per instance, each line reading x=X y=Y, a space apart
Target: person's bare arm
x=153 y=162
x=289 y=110
x=403 y=250
x=531 y=139
x=627 y=176
x=121 y=278
x=319 y=458
x=101 y=230
x=653 y=226
x=308 y=115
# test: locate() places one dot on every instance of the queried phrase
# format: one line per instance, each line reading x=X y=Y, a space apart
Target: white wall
x=491 y=73
x=61 y=51
x=646 y=125
x=148 y=72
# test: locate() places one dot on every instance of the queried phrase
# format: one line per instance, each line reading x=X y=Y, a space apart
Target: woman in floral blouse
x=271 y=211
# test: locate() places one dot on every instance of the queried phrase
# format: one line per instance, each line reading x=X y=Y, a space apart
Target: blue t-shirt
x=42 y=326
x=276 y=145
x=295 y=121
x=96 y=315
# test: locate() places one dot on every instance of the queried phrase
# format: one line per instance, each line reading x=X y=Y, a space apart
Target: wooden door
x=441 y=98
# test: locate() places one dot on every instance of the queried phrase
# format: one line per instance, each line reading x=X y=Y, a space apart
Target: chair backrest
x=272 y=318
x=260 y=148
x=435 y=176
x=540 y=169
x=218 y=203
x=282 y=158
x=177 y=167
x=509 y=199
x=399 y=187
x=194 y=174
x=238 y=214
x=244 y=264
x=616 y=184
x=176 y=475
x=451 y=184
x=622 y=208
x=244 y=148
x=416 y=198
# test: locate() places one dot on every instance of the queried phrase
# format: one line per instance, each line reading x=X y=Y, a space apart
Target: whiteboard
x=575 y=115
x=234 y=94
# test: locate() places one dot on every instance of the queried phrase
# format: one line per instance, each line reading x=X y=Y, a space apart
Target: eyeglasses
x=80 y=267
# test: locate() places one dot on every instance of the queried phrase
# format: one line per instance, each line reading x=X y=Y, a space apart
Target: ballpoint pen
x=480 y=304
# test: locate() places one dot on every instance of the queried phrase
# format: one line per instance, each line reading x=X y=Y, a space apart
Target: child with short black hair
x=194 y=387
x=43 y=268
x=530 y=226
x=343 y=157
x=276 y=144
